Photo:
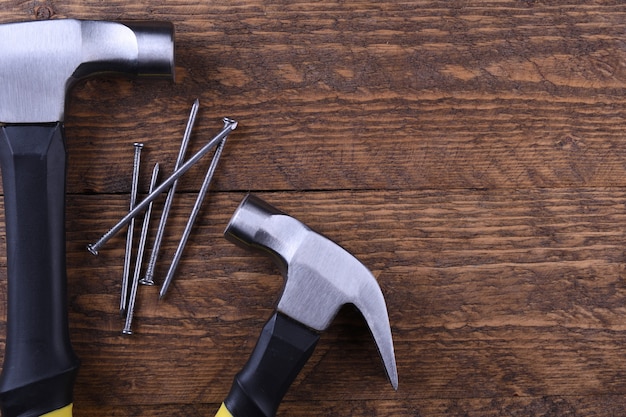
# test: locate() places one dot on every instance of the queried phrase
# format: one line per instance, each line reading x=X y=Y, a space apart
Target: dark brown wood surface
x=472 y=154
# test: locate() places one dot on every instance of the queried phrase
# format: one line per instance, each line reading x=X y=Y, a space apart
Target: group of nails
x=129 y=287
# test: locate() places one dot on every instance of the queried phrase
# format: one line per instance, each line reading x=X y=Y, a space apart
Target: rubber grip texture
x=283 y=348
x=39 y=363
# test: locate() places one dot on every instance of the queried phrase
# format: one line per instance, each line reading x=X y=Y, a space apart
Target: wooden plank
x=491 y=295
x=557 y=406
x=471 y=154
x=368 y=96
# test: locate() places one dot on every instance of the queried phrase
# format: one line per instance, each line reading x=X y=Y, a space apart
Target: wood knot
x=570 y=143
x=44 y=11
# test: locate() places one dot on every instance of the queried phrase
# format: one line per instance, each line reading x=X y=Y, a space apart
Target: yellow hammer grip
x=61 y=412
x=223 y=412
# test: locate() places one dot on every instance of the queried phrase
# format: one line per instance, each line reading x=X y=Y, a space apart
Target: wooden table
x=472 y=154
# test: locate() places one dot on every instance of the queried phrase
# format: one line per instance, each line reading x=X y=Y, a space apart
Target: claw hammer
x=41 y=61
x=320 y=277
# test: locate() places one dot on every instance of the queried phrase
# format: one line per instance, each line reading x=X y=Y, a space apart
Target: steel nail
x=93 y=248
x=194 y=213
x=148 y=279
x=138 y=261
x=129 y=237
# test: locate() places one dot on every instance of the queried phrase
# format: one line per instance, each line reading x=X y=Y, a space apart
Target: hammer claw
x=376 y=317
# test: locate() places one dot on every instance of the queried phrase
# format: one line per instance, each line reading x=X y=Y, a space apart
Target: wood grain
x=470 y=153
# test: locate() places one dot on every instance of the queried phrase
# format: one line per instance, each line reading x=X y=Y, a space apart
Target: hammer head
x=320 y=276
x=41 y=60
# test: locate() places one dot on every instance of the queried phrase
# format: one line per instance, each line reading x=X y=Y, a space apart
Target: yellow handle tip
x=61 y=412
x=223 y=412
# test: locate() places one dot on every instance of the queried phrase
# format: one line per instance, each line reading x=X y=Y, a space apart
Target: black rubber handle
x=280 y=353
x=39 y=363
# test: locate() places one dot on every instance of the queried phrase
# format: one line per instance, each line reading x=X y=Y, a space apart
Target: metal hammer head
x=320 y=276
x=41 y=60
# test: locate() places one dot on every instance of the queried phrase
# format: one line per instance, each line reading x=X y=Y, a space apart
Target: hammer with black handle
x=40 y=62
x=320 y=277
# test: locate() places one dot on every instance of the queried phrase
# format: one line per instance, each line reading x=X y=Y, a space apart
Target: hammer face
x=41 y=60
